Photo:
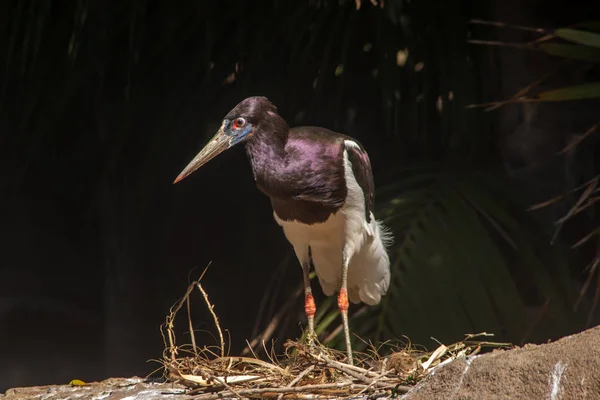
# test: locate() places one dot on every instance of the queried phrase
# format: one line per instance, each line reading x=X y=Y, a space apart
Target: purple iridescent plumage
x=301 y=169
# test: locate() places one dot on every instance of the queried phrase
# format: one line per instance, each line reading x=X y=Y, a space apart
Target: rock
x=109 y=389
x=566 y=369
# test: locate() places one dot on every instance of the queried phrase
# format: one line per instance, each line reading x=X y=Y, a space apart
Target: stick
x=296 y=389
x=584 y=196
x=579 y=138
x=297 y=379
x=249 y=360
x=302 y=375
x=361 y=375
x=382 y=375
x=548 y=202
x=222 y=382
x=211 y=309
x=169 y=322
x=191 y=326
x=503 y=102
x=504 y=25
x=503 y=44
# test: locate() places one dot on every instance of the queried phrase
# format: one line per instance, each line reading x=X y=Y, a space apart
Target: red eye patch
x=239 y=122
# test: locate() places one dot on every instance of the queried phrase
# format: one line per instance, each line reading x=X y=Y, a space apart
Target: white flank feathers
x=346 y=232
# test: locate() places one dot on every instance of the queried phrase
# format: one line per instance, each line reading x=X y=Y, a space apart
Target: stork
x=321 y=188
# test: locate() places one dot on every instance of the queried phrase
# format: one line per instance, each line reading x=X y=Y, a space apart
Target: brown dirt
x=566 y=369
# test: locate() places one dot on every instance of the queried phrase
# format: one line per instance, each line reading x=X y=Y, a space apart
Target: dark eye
x=239 y=122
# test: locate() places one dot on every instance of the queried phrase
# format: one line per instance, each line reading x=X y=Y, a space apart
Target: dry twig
x=351 y=386
x=297 y=379
x=499 y=24
x=580 y=138
x=321 y=370
x=212 y=311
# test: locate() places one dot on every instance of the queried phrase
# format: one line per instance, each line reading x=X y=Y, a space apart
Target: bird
x=321 y=188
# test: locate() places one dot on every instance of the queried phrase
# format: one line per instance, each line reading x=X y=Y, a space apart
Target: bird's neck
x=268 y=155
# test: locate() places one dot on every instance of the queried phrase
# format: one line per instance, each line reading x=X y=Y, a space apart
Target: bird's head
x=238 y=126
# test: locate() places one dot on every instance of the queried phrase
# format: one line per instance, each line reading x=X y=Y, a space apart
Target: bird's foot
x=311 y=341
x=311 y=336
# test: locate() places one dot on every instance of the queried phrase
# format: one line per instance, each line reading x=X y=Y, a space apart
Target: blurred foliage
x=586 y=48
x=118 y=96
x=586 y=36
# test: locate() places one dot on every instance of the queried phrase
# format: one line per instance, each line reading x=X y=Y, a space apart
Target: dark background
x=104 y=102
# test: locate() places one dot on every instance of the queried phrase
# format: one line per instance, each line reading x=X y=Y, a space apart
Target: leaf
x=77 y=382
x=591 y=25
x=574 y=51
x=579 y=36
x=438 y=353
x=587 y=91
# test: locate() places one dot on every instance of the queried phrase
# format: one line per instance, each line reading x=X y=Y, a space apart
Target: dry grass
x=301 y=372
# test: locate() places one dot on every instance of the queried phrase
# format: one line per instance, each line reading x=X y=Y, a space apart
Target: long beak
x=219 y=143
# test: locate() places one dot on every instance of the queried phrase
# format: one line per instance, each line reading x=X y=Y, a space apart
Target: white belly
x=345 y=234
x=326 y=242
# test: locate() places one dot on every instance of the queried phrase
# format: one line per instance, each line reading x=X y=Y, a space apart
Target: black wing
x=315 y=171
x=361 y=167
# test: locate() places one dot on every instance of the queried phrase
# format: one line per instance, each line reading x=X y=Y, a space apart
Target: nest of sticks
x=303 y=371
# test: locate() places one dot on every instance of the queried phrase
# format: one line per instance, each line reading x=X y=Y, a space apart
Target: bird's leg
x=343 y=307
x=309 y=303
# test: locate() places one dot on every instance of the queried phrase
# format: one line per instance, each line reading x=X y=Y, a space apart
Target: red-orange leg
x=310 y=307
x=343 y=300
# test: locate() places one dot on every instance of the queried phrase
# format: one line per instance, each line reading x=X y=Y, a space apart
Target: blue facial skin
x=237 y=135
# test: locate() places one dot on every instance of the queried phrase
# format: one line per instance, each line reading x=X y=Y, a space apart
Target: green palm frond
x=583 y=37
x=573 y=51
x=578 y=92
x=586 y=48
